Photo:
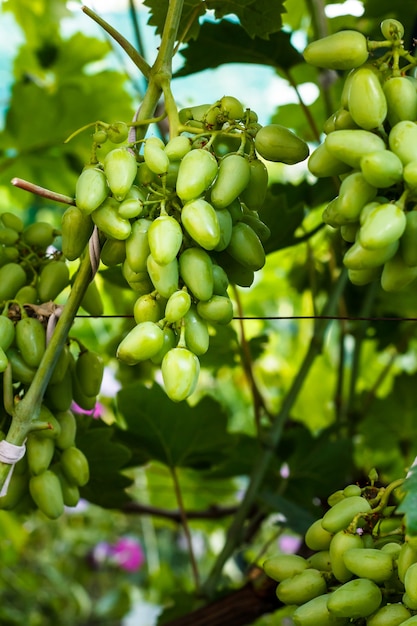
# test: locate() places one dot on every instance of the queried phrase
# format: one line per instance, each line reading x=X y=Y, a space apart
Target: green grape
x=321 y=561
x=341 y=514
x=344 y=50
x=31 y=340
x=196 y=332
x=369 y=563
x=356 y=598
x=360 y=258
x=396 y=274
x=170 y=341
x=142 y=342
x=383 y=225
x=68 y=424
x=76 y=230
x=120 y=168
x=53 y=278
x=231 y=107
x=246 y=247
x=196 y=270
x=354 y=193
x=316 y=538
x=40 y=451
x=382 y=168
x=401 y=97
x=165 y=239
x=11 y=220
x=276 y=143
x=402 y=140
x=177 y=147
x=75 y=466
x=315 y=613
x=349 y=146
x=197 y=171
x=117 y=132
x=8 y=236
x=91 y=189
x=109 y=221
x=392 y=29
x=216 y=310
x=366 y=100
x=408 y=240
x=340 y=543
x=180 y=371
x=201 y=222
x=225 y=222
x=322 y=163
x=177 y=306
x=155 y=156
x=164 y=278
x=12 y=278
x=301 y=587
x=7 y=332
x=46 y=492
x=89 y=369
x=232 y=179
x=147 y=308
x=389 y=615
x=282 y=566
x=39 y=235
x=137 y=245
x=253 y=195
x=352 y=490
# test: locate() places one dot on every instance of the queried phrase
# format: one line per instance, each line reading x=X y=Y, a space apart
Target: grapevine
x=370 y=148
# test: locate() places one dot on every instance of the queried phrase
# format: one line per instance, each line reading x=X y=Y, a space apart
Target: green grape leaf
x=259 y=18
x=408 y=505
x=175 y=434
x=226 y=42
x=189 y=24
x=107 y=458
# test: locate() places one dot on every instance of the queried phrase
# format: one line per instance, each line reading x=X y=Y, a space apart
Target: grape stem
x=41 y=191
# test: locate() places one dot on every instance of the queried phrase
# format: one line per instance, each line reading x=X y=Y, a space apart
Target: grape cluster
x=370 y=146
x=32 y=275
x=362 y=569
x=182 y=220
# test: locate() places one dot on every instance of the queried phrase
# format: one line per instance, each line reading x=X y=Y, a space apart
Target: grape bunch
x=370 y=148
x=362 y=568
x=32 y=275
x=182 y=220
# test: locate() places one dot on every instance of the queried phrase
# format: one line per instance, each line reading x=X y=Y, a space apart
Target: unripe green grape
x=10 y=220
x=216 y=310
x=177 y=306
x=383 y=225
x=411 y=621
x=75 y=467
x=360 y=258
x=246 y=247
x=197 y=171
x=232 y=179
x=46 y=492
x=117 y=132
x=139 y=282
x=180 y=370
x=366 y=101
x=39 y=235
x=120 y=168
x=369 y=563
x=354 y=193
x=322 y=163
x=220 y=280
x=321 y=561
x=137 y=245
x=407 y=556
x=276 y=143
x=225 y=222
x=403 y=141
x=155 y=156
x=301 y=587
x=354 y=599
x=315 y=613
x=382 y=168
x=7 y=332
x=201 y=222
x=142 y=342
x=165 y=239
x=340 y=543
x=170 y=342
x=8 y=236
x=316 y=537
x=408 y=247
x=177 y=147
x=196 y=270
x=350 y=146
x=147 y=309
x=344 y=50
x=231 y=107
x=401 y=99
x=392 y=29
x=341 y=514
x=108 y=220
x=164 y=277
x=349 y=232
x=282 y=566
x=91 y=189
x=196 y=332
x=100 y=136
x=352 y=490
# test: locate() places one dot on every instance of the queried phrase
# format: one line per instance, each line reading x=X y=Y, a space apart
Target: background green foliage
x=355 y=406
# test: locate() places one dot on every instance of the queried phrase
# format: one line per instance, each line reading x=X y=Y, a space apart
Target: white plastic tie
x=10 y=454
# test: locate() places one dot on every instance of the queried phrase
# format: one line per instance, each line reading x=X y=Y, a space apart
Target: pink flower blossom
x=95 y=412
x=125 y=553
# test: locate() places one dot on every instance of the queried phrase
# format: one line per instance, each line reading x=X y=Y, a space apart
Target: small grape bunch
x=370 y=147
x=362 y=568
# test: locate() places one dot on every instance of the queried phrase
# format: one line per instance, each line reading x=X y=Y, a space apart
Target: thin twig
x=41 y=191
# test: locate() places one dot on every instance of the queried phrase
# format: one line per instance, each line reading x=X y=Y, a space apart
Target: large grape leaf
x=259 y=18
x=177 y=435
x=106 y=458
x=227 y=42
